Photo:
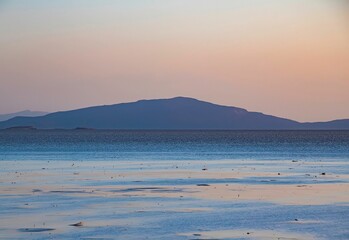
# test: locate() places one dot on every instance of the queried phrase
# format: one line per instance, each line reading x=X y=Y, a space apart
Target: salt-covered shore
x=222 y=199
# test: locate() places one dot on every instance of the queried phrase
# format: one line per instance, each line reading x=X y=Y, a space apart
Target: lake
x=174 y=184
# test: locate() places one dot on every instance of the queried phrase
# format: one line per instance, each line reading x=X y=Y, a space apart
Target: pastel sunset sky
x=288 y=58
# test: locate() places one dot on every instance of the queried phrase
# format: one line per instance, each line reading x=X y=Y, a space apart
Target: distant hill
x=336 y=124
x=26 y=113
x=170 y=114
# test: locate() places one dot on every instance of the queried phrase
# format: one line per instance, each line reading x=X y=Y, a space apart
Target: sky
x=288 y=58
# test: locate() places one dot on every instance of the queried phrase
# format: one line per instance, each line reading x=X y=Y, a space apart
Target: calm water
x=172 y=145
x=152 y=184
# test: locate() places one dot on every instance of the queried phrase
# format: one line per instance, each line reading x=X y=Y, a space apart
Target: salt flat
x=222 y=199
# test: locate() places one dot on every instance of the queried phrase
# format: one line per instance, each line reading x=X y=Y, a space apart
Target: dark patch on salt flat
x=153 y=189
x=36 y=229
x=72 y=191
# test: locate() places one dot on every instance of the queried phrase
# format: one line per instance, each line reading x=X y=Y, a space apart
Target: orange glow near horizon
x=286 y=58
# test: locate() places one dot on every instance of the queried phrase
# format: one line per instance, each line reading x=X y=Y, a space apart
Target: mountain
x=26 y=113
x=336 y=124
x=175 y=113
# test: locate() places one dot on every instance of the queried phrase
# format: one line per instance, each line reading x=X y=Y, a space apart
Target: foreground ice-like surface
x=223 y=199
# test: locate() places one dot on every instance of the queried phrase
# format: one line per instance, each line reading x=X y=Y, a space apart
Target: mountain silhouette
x=25 y=113
x=178 y=113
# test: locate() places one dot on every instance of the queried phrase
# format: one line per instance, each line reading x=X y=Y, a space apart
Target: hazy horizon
x=284 y=58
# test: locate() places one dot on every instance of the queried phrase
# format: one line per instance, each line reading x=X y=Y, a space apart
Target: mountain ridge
x=179 y=113
x=24 y=113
